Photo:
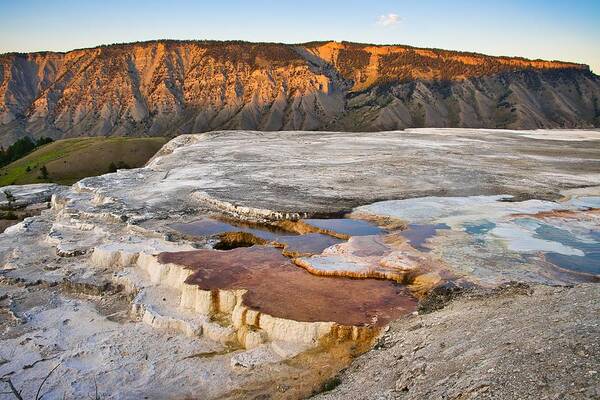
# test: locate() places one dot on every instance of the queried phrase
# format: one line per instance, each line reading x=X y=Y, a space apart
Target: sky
x=566 y=30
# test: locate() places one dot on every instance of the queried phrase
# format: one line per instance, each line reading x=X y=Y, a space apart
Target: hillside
x=165 y=88
x=70 y=160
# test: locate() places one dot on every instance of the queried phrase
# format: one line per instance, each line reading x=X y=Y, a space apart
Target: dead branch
x=37 y=395
x=13 y=389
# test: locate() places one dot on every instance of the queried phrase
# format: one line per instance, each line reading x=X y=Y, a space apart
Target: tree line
x=20 y=148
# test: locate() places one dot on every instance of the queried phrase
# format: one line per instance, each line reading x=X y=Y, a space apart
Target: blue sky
x=564 y=30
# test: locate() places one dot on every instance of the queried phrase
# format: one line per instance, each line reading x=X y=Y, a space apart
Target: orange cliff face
x=367 y=64
x=172 y=87
x=149 y=78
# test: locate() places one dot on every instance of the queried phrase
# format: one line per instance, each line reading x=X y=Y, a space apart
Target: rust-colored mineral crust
x=277 y=287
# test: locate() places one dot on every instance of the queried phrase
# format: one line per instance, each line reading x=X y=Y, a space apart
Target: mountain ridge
x=169 y=87
x=312 y=42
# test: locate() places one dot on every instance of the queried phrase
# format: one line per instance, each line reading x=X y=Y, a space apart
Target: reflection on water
x=352 y=227
x=210 y=227
x=555 y=234
x=311 y=243
x=417 y=234
x=589 y=262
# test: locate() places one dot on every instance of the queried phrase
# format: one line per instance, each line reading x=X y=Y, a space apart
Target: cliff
x=174 y=87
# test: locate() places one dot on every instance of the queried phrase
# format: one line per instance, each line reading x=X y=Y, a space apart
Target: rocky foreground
x=517 y=342
x=284 y=265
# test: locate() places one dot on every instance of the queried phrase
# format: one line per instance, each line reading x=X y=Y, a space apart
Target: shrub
x=112 y=167
x=10 y=198
x=44 y=173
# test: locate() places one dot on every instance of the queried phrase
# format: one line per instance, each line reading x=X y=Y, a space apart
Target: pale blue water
x=479 y=228
x=352 y=227
x=588 y=263
x=586 y=202
x=588 y=243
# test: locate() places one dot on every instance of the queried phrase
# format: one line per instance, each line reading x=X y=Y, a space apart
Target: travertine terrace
x=114 y=286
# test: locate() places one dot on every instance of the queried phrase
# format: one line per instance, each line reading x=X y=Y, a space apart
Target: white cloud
x=390 y=19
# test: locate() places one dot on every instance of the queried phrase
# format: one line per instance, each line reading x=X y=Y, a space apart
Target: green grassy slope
x=70 y=160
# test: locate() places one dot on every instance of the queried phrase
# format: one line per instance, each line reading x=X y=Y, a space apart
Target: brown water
x=277 y=287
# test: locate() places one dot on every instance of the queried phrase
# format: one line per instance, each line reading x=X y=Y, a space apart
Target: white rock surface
x=366 y=256
x=25 y=195
x=100 y=312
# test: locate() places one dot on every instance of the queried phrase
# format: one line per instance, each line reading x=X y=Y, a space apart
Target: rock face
x=169 y=87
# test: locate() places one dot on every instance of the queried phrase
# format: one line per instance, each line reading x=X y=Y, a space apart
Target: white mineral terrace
x=103 y=284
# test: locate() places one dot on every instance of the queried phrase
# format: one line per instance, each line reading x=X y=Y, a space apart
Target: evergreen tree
x=20 y=148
